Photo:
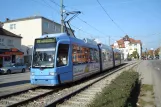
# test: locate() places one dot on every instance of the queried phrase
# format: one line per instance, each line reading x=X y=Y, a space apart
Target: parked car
x=12 y=68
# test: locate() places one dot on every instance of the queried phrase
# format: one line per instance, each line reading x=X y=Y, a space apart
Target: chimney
x=7 y=19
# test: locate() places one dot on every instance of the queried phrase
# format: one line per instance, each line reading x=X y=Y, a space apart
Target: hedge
x=118 y=92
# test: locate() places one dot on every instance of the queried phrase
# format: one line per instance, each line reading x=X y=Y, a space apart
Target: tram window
x=97 y=55
x=75 y=54
x=103 y=56
x=91 y=55
x=74 y=57
x=108 y=56
x=62 y=58
x=116 y=56
x=94 y=55
x=82 y=55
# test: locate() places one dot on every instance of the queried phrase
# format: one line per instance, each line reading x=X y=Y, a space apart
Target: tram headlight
x=32 y=73
x=52 y=73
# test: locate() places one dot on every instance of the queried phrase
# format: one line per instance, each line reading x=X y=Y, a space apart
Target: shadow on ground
x=14 y=83
x=133 y=99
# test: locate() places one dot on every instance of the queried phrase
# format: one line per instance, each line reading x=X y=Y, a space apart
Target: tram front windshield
x=44 y=53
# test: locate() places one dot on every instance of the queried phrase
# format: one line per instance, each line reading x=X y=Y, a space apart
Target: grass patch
x=146 y=92
x=146 y=87
x=142 y=103
x=118 y=93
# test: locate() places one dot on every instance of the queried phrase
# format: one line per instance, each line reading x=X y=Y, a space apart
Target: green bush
x=118 y=92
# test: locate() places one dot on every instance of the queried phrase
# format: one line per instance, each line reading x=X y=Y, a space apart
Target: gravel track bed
x=23 y=96
x=84 y=98
x=56 y=95
x=41 y=102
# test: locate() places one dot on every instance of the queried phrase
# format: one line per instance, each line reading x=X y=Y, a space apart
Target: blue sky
x=140 y=19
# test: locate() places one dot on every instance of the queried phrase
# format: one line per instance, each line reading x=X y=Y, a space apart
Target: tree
x=143 y=54
x=135 y=54
x=150 y=53
x=157 y=52
x=128 y=56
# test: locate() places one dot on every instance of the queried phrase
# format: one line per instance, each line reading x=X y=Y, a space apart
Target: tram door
x=1 y=62
x=63 y=64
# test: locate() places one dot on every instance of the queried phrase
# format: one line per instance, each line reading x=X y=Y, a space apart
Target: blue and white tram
x=107 y=59
x=117 y=57
x=59 y=58
x=85 y=58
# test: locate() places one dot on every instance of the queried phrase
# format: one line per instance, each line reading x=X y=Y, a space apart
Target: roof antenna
x=74 y=13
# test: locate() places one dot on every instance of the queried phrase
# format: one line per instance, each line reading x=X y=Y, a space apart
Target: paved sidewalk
x=145 y=71
x=150 y=74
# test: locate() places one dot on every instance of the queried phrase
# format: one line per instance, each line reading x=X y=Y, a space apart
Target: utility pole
x=109 y=40
x=160 y=50
x=159 y=47
x=62 y=20
x=146 y=55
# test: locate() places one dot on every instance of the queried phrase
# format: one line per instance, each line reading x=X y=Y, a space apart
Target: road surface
x=150 y=71
x=14 y=82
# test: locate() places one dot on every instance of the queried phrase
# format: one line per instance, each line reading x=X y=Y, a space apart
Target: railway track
x=83 y=96
x=24 y=96
x=40 y=97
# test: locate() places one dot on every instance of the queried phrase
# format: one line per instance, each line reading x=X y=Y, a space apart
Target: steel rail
x=60 y=100
x=33 y=98
x=19 y=92
x=25 y=101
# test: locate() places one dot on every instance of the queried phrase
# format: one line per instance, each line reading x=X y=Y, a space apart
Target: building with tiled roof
x=10 y=46
x=30 y=28
x=127 y=45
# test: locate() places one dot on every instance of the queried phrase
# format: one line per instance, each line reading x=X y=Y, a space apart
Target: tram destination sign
x=46 y=40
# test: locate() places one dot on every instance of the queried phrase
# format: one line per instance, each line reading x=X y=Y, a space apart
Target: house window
x=59 y=30
x=46 y=25
x=7 y=58
x=12 y=26
x=2 y=41
x=10 y=42
x=45 y=33
x=55 y=28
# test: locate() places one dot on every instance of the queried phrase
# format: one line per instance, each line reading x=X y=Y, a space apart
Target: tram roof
x=86 y=42
x=63 y=35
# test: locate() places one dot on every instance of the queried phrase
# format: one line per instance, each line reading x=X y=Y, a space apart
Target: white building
x=31 y=28
x=128 y=46
x=10 y=45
